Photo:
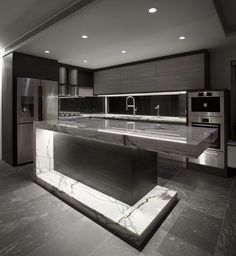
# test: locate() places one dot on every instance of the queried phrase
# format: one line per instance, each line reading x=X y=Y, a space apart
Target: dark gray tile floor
x=35 y=223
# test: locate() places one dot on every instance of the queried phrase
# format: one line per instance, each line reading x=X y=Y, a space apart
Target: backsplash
x=83 y=105
x=169 y=105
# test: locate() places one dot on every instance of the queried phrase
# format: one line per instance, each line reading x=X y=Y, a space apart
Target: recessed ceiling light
x=47 y=51
x=182 y=37
x=85 y=61
x=152 y=10
x=84 y=36
x=124 y=51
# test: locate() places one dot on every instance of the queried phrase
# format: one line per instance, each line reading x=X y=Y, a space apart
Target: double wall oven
x=208 y=109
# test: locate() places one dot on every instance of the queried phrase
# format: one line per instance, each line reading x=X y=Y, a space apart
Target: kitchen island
x=108 y=169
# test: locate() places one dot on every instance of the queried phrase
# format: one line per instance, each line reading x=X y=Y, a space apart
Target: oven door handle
x=206 y=125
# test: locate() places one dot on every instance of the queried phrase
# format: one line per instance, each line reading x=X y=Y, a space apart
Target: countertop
x=158 y=119
x=166 y=138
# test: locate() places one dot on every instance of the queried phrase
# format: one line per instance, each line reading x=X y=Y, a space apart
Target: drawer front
x=232 y=156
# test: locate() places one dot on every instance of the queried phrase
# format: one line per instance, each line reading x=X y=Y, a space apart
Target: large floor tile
x=198 y=229
x=217 y=185
x=81 y=237
x=209 y=202
x=227 y=240
x=174 y=246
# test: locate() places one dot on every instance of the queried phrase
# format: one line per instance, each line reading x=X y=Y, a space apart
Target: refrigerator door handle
x=38 y=92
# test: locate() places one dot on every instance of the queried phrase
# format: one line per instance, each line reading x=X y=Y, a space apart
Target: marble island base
x=115 y=186
x=134 y=224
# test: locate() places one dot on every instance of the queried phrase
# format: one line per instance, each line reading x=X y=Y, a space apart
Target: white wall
x=1 y=52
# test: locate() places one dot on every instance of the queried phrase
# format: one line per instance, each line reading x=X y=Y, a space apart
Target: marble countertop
x=165 y=138
x=159 y=119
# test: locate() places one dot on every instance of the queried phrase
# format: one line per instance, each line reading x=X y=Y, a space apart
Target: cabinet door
x=231 y=156
x=127 y=79
x=182 y=73
x=107 y=81
x=139 y=78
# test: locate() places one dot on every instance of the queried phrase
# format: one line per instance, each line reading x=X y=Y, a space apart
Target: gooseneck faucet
x=157 y=108
x=132 y=105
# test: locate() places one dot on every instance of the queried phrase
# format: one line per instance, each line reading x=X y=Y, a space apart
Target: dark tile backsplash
x=82 y=105
x=170 y=105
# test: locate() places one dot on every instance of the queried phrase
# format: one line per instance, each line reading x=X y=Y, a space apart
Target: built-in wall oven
x=208 y=109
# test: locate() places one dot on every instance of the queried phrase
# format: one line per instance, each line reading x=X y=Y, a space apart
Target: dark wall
x=19 y=65
x=35 y=67
x=7 y=109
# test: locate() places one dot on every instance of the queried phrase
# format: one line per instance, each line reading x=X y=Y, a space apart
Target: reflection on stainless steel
x=132 y=105
x=130 y=126
x=207 y=109
x=157 y=108
x=36 y=100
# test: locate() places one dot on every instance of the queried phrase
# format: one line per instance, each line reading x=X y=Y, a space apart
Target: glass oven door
x=205 y=104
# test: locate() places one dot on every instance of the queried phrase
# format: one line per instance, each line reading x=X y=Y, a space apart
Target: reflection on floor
x=35 y=223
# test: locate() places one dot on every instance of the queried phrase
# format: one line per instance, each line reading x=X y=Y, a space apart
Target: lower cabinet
x=232 y=156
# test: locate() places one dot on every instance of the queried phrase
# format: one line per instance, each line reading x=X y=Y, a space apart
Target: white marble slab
x=132 y=223
x=133 y=219
x=159 y=119
x=165 y=138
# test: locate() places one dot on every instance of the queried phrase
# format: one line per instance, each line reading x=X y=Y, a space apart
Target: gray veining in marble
x=173 y=139
x=159 y=119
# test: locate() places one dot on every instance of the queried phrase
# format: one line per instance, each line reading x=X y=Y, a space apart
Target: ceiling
x=18 y=17
x=116 y=25
x=227 y=12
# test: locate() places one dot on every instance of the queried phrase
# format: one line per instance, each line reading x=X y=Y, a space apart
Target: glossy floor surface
x=35 y=223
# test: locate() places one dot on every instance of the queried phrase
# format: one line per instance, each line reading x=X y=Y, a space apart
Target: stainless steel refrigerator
x=36 y=100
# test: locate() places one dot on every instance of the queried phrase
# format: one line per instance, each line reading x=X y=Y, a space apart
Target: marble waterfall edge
x=132 y=223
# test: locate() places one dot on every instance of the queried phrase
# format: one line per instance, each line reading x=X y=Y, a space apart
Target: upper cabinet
x=182 y=73
x=168 y=74
x=131 y=78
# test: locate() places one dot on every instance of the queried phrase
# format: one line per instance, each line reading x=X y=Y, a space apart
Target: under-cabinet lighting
x=143 y=94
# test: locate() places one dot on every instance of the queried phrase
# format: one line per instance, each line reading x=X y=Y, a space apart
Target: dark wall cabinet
x=35 y=67
x=86 y=78
x=182 y=72
x=19 y=65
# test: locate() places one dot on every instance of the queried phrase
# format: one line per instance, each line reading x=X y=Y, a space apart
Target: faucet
x=157 y=108
x=131 y=105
